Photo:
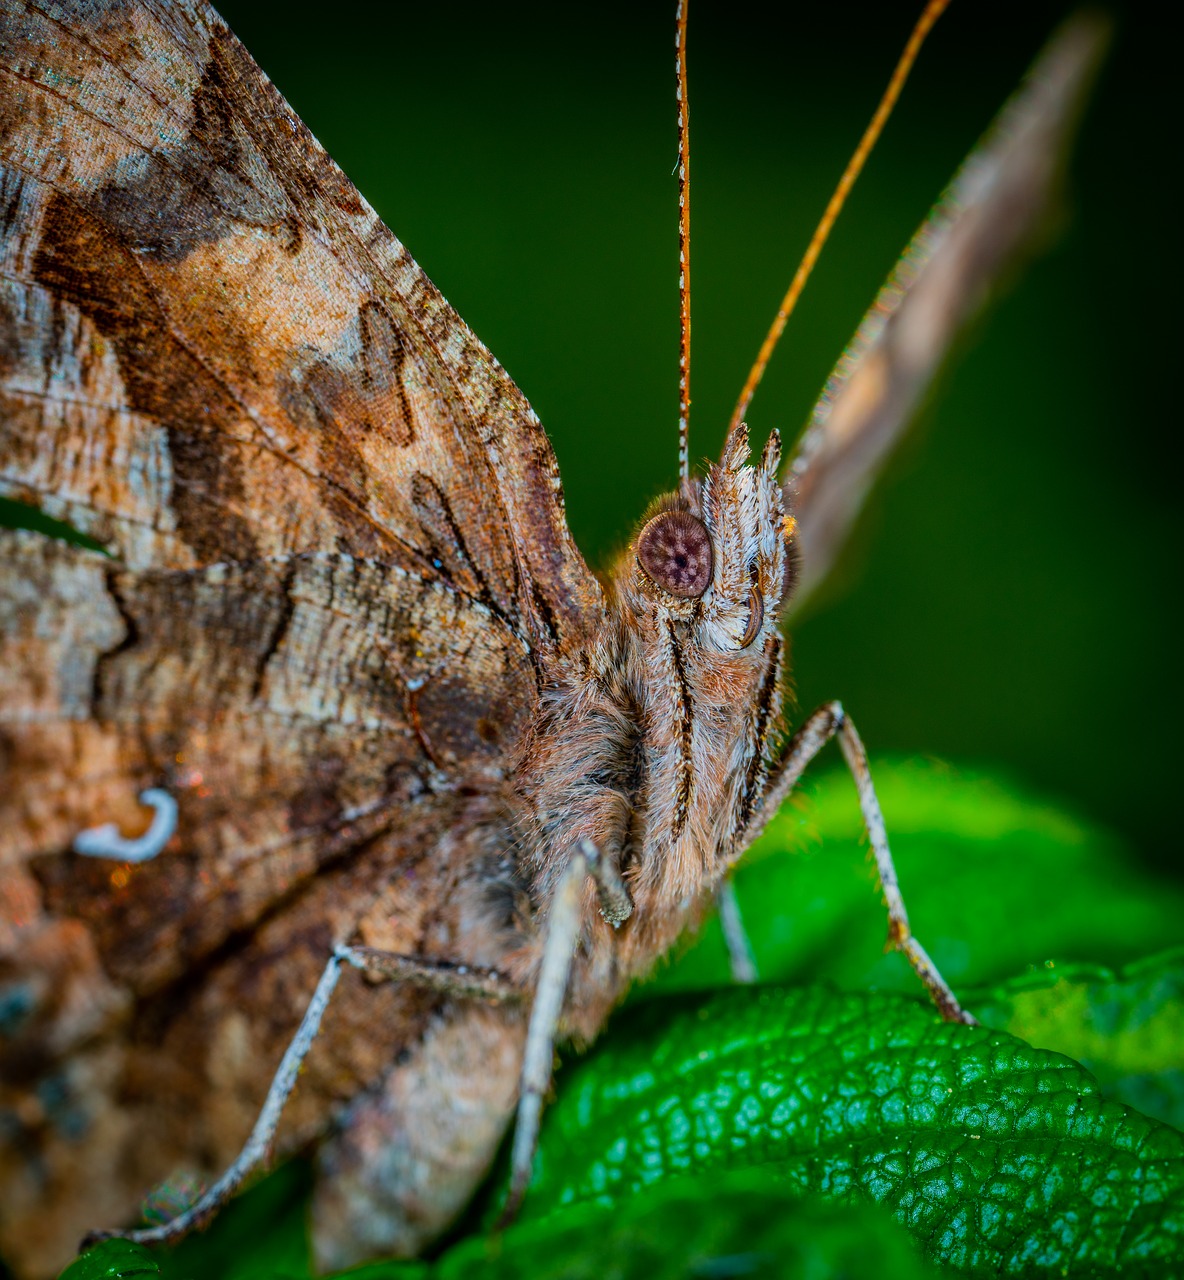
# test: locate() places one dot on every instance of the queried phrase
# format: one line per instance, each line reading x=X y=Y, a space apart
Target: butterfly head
x=719 y=556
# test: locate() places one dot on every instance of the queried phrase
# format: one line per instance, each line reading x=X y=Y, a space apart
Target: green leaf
x=995 y=882
x=1001 y=1159
x=113 y=1260
x=19 y=515
x=737 y=1225
x=1126 y=1027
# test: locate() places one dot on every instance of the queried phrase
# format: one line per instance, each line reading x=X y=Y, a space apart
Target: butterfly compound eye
x=674 y=549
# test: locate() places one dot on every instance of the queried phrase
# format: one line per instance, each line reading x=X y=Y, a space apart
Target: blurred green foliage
x=755 y=1229
x=1126 y=1027
x=995 y=881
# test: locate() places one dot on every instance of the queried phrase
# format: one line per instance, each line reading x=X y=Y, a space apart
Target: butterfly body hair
x=653 y=742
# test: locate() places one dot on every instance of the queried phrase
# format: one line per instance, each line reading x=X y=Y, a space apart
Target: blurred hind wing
x=985 y=221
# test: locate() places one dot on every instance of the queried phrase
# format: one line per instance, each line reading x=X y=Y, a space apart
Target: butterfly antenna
x=684 y=246
x=933 y=11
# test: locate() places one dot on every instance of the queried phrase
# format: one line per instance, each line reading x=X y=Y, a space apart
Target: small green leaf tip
x=19 y=515
x=113 y=1260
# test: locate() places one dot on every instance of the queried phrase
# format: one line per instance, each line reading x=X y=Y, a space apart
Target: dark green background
x=1013 y=597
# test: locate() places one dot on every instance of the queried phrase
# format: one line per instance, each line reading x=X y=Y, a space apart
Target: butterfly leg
x=559 y=948
x=828 y=722
x=456 y=980
x=740 y=957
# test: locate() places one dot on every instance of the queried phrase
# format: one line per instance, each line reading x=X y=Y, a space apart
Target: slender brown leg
x=435 y=975
x=828 y=722
x=458 y=980
x=740 y=957
x=559 y=947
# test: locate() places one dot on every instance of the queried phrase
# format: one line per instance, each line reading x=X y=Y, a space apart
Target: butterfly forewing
x=318 y=492
x=335 y=567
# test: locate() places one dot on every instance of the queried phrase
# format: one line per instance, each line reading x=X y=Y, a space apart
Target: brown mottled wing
x=334 y=566
x=241 y=360
x=335 y=536
x=988 y=216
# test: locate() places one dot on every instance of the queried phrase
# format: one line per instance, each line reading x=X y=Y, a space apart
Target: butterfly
x=325 y=616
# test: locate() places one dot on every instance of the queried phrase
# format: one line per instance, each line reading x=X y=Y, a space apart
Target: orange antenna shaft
x=684 y=246
x=933 y=11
